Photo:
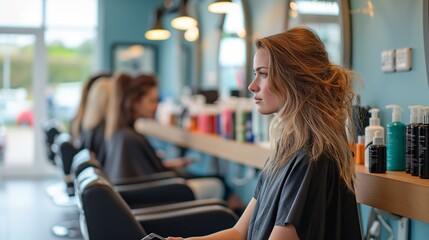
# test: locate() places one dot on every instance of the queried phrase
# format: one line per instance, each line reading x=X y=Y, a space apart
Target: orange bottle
x=360 y=150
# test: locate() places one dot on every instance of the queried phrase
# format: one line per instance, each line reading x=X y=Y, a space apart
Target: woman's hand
x=177 y=162
x=175 y=238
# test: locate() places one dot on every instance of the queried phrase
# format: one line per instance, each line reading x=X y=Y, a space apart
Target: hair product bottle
x=377 y=154
x=424 y=145
x=395 y=140
x=414 y=139
x=360 y=150
x=374 y=125
x=408 y=133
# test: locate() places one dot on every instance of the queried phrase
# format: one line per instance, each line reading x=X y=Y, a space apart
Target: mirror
x=330 y=19
x=134 y=58
x=234 y=52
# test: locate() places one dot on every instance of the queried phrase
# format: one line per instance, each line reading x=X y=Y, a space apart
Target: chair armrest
x=189 y=222
x=154 y=193
x=145 y=178
x=178 y=206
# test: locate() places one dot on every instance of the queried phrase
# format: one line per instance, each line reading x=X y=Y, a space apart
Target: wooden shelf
x=245 y=153
x=396 y=192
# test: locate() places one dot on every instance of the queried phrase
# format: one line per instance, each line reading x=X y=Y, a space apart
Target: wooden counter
x=395 y=192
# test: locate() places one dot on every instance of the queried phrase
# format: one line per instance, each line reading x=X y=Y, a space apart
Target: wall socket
x=403 y=59
x=396 y=60
x=388 y=61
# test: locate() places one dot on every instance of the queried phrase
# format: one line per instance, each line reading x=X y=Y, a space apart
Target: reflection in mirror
x=134 y=59
x=232 y=53
x=326 y=18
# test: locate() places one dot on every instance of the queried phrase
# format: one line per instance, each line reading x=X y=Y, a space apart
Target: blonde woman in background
x=76 y=123
x=94 y=118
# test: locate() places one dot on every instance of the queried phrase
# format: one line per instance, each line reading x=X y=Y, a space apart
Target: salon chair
x=62 y=151
x=84 y=158
x=64 y=154
x=105 y=215
x=51 y=129
x=143 y=191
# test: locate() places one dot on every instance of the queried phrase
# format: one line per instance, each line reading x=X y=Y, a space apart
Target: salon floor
x=28 y=212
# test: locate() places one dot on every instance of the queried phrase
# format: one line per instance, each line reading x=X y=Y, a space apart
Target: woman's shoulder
x=127 y=133
x=303 y=159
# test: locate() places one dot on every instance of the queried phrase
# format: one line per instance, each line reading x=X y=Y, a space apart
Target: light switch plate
x=388 y=61
x=403 y=59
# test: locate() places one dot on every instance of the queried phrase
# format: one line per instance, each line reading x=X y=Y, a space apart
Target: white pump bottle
x=374 y=125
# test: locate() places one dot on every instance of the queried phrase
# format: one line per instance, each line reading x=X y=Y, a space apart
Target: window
x=70 y=42
x=57 y=35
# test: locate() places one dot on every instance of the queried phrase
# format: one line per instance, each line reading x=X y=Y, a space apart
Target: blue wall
x=125 y=21
x=396 y=24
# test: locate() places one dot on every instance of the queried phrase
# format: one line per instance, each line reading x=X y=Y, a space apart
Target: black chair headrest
x=82 y=160
x=58 y=140
x=65 y=151
x=52 y=129
x=106 y=214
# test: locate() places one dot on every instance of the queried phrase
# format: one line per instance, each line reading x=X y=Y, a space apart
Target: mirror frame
x=118 y=45
x=426 y=35
x=344 y=10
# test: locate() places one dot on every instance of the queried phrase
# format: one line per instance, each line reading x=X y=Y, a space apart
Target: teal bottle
x=395 y=141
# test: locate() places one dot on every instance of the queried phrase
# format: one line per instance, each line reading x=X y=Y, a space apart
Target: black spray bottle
x=415 y=142
x=377 y=154
x=424 y=145
x=411 y=143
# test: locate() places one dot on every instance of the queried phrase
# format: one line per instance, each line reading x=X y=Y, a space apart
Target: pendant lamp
x=192 y=34
x=221 y=6
x=183 y=21
x=158 y=33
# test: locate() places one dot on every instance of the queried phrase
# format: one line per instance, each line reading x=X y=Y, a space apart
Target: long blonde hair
x=317 y=97
x=96 y=104
x=76 y=124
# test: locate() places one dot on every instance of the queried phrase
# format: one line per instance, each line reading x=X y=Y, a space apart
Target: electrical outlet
x=388 y=61
x=403 y=59
x=403 y=228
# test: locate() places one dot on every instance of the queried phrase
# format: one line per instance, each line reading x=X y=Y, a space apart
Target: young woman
x=128 y=153
x=306 y=189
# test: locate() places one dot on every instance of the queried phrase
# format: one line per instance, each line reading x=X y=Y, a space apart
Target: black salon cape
x=93 y=140
x=129 y=154
x=310 y=195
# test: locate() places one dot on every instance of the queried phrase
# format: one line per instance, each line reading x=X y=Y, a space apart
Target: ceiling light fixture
x=183 y=21
x=158 y=33
x=222 y=6
x=192 y=34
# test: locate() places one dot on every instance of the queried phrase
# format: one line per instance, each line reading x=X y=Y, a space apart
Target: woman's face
x=147 y=104
x=267 y=102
